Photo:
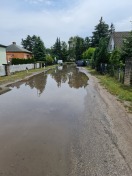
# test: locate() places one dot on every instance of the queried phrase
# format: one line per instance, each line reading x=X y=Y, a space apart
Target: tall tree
x=39 y=50
x=36 y=46
x=79 y=48
x=77 y=45
x=101 y=53
x=101 y=31
x=56 y=49
x=71 y=51
x=112 y=28
x=86 y=43
x=29 y=42
x=64 y=51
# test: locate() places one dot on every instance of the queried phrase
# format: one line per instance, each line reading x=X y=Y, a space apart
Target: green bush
x=49 y=60
x=17 y=61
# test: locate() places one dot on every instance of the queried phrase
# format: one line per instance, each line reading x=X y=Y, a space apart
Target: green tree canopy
x=39 y=50
x=29 y=42
x=87 y=43
x=101 y=53
x=79 y=48
x=101 y=31
x=77 y=45
x=60 y=50
x=115 y=58
x=88 y=53
x=36 y=46
x=71 y=51
x=127 y=47
x=56 y=49
x=64 y=51
x=49 y=60
x=112 y=28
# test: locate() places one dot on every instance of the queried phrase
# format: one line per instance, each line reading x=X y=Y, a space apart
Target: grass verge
x=123 y=93
x=21 y=75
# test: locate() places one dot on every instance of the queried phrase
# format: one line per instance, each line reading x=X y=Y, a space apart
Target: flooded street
x=57 y=124
x=37 y=121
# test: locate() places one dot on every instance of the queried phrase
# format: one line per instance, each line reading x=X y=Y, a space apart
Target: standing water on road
x=58 y=124
x=38 y=118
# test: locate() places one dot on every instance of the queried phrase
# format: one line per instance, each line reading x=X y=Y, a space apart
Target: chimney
x=14 y=43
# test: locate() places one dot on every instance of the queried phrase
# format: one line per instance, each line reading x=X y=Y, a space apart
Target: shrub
x=49 y=60
x=17 y=61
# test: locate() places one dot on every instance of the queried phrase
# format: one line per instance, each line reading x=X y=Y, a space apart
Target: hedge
x=16 y=61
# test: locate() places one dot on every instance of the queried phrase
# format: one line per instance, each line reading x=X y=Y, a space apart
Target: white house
x=2 y=55
x=116 y=40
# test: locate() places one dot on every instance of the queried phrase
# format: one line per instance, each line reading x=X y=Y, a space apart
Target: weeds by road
x=123 y=93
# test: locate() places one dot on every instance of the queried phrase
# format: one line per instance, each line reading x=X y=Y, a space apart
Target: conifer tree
x=112 y=28
x=56 y=49
x=36 y=46
x=101 y=31
x=39 y=50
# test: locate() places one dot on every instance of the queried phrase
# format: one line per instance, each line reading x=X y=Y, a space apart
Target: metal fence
x=112 y=70
x=118 y=73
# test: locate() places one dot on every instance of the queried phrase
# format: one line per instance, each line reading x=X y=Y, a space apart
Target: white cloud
x=49 y=2
x=79 y=19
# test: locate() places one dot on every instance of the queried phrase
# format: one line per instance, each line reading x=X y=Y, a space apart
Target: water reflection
x=70 y=74
x=37 y=81
x=36 y=133
x=62 y=74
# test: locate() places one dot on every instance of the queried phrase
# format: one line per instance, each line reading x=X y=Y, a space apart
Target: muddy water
x=37 y=123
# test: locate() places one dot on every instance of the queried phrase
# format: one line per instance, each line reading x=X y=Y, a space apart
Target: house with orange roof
x=15 y=51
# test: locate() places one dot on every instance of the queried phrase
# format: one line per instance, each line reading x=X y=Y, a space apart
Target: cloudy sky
x=50 y=19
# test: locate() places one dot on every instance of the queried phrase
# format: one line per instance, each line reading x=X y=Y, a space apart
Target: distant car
x=80 y=63
x=60 y=62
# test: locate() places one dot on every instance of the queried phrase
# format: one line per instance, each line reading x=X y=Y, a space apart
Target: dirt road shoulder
x=120 y=120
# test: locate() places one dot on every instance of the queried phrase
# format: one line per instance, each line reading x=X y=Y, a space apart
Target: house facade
x=2 y=55
x=15 y=51
x=116 y=40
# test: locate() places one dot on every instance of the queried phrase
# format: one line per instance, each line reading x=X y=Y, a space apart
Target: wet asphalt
x=57 y=124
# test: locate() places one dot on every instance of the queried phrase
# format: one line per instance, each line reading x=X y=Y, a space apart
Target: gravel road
x=105 y=136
